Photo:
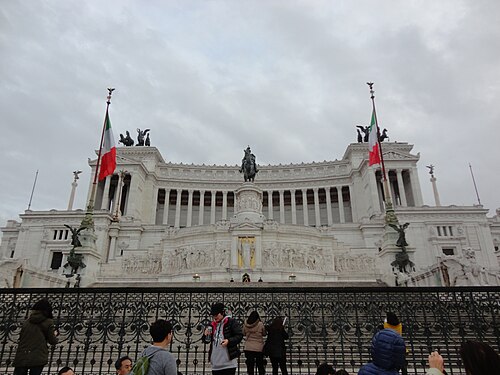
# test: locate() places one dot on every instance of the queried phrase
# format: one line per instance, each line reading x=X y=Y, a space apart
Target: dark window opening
x=57 y=257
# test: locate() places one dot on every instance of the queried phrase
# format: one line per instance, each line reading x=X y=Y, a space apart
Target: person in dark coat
x=224 y=335
x=388 y=354
x=32 y=352
x=275 y=345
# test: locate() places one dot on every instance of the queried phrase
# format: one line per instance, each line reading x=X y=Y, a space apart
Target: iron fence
x=333 y=325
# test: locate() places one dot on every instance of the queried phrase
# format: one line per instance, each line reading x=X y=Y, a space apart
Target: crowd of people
x=224 y=334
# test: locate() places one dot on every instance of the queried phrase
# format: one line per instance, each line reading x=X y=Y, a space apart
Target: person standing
x=254 y=331
x=275 y=345
x=161 y=361
x=32 y=352
x=224 y=335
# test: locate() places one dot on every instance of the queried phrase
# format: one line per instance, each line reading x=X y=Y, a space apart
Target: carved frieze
x=296 y=256
x=198 y=256
x=144 y=264
x=347 y=263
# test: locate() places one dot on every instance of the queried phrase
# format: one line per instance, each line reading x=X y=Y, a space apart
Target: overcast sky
x=209 y=77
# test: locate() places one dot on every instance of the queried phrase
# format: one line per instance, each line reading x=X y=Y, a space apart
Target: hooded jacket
x=254 y=334
x=388 y=354
x=32 y=350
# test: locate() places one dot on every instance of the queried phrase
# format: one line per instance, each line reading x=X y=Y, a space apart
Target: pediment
x=395 y=155
x=246 y=226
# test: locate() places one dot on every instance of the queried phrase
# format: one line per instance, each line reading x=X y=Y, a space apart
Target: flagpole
x=33 y=190
x=475 y=186
x=88 y=221
x=390 y=216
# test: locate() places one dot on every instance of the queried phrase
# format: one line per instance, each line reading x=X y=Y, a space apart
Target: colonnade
x=403 y=185
x=309 y=206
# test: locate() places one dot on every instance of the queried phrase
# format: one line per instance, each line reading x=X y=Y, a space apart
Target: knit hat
x=217 y=308
x=392 y=322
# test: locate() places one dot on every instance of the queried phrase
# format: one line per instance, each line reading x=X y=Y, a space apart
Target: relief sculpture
x=150 y=264
x=294 y=256
x=354 y=263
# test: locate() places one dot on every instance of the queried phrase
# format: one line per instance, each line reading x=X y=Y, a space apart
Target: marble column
x=212 y=207
x=154 y=212
x=178 y=209
x=415 y=185
x=329 y=206
x=401 y=187
x=316 y=207
x=282 y=207
x=341 y=204
x=270 y=205
x=224 y=205
x=435 y=190
x=105 y=193
x=374 y=189
x=304 y=207
x=202 y=207
x=190 y=208
x=354 y=212
x=118 y=196
x=294 y=207
x=166 y=206
x=132 y=201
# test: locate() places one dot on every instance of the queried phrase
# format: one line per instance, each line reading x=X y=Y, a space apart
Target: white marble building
x=314 y=222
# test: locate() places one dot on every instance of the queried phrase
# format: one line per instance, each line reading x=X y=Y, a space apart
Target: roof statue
x=383 y=136
x=140 y=136
x=127 y=140
x=366 y=133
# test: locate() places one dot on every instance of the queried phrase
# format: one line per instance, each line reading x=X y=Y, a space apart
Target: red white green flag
x=108 y=152
x=374 y=150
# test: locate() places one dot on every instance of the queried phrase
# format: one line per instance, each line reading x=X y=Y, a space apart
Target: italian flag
x=374 y=150
x=108 y=152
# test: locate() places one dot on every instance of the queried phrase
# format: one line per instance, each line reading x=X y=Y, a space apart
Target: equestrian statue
x=248 y=165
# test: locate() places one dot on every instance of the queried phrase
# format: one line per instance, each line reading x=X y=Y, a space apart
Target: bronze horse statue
x=248 y=166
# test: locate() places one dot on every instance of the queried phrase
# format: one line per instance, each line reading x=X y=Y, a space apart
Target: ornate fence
x=325 y=324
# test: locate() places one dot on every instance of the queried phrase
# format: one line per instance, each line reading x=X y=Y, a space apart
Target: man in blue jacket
x=388 y=354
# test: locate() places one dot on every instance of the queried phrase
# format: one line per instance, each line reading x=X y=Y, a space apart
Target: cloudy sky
x=209 y=77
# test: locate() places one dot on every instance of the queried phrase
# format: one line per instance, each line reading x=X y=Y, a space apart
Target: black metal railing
x=325 y=324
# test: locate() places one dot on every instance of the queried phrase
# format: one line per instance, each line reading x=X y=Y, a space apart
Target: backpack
x=141 y=366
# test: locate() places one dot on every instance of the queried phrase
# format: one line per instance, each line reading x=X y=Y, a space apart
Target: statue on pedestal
x=402 y=260
x=401 y=242
x=249 y=165
x=75 y=232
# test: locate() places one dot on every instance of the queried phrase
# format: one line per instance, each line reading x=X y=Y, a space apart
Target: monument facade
x=160 y=222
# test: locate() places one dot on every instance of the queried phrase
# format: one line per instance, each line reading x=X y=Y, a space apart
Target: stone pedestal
x=248 y=205
x=91 y=256
x=388 y=255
